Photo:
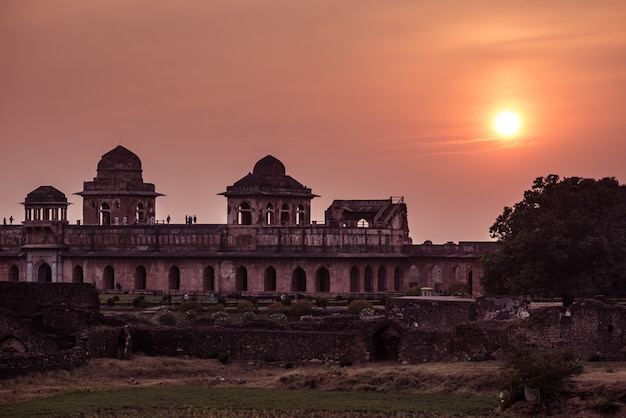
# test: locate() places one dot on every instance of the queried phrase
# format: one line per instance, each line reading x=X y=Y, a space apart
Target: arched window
x=300 y=215
x=77 y=274
x=140 y=278
x=470 y=282
x=414 y=276
x=284 y=214
x=354 y=279
x=437 y=278
x=298 y=280
x=397 y=279
x=208 y=279
x=244 y=214
x=269 y=281
x=14 y=273
x=269 y=214
x=369 y=279
x=141 y=213
x=108 y=278
x=174 y=278
x=105 y=214
x=362 y=223
x=241 y=279
x=382 y=279
x=322 y=280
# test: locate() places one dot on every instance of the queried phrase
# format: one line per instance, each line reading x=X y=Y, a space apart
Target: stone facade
x=268 y=246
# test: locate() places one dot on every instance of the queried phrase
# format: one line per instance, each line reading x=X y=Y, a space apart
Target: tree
x=566 y=238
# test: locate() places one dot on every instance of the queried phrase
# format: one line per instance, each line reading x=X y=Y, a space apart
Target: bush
x=223 y=357
x=345 y=362
x=143 y=304
x=321 y=302
x=413 y=291
x=190 y=305
x=137 y=301
x=220 y=317
x=289 y=365
x=339 y=298
x=367 y=312
x=167 y=318
x=607 y=406
x=278 y=317
x=546 y=370
x=191 y=314
x=458 y=289
x=216 y=308
x=301 y=308
x=221 y=300
x=111 y=302
x=357 y=306
x=245 y=306
x=276 y=307
x=248 y=316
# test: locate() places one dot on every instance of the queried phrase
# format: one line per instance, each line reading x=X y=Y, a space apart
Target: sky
x=359 y=99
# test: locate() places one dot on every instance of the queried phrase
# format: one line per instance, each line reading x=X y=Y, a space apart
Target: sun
x=507 y=123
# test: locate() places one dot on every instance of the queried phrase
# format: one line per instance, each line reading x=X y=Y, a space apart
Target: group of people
x=190 y=219
x=11 y=220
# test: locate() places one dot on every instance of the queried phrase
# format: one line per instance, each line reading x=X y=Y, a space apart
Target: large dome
x=119 y=158
x=269 y=166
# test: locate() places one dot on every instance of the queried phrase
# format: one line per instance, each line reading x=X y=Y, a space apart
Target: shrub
x=278 y=317
x=245 y=306
x=367 y=312
x=289 y=365
x=143 y=304
x=190 y=305
x=220 y=317
x=301 y=308
x=357 y=306
x=321 y=302
x=110 y=302
x=413 y=291
x=458 y=288
x=607 y=406
x=223 y=357
x=191 y=314
x=137 y=301
x=116 y=298
x=221 y=300
x=248 y=316
x=345 y=362
x=545 y=370
x=276 y=307
x=167 y=318
x=339 y=298
x=216 y=308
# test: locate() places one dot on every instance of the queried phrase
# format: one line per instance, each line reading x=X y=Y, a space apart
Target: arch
x=141 y=213
x=397 y=279
x=244 y=214
x=241 y=279
x=437 y=275
x=208 y=279
x=105 y=214
x=108 y=277
x=140 y=278
x=269 y=279
x=284 y=214
x=457 y=272
x=14 y=273
x=414 y=276
x=368 y=279
x=174 y=278
x=77 y=274
x=269 y=214
x=382 y=279
x=298 y=280
x=300 y=215
x=470 y=282
x=354 y=279
x=44 y=272
x=322 y=280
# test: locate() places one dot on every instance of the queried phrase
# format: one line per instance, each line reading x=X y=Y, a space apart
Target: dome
x=119 y=158
x=45 y=194
x=269 y=166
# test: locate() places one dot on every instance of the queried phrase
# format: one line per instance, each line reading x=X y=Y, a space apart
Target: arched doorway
x=44 y=273
x=397 y=279
x=382 y=279
x=140 y=278
x=77 y=274
x=369 y=279
x=14 y=273
x=108 y=278
x=354 y=279
x=241 y=279
x=322 y=280
x=298 y=280
x=269 y=280
x=174 y=278
x=208 y=279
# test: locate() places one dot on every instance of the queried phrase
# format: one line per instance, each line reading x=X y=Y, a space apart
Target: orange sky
x=359 y=99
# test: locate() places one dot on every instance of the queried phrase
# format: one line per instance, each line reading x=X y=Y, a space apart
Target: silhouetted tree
x=566 y=238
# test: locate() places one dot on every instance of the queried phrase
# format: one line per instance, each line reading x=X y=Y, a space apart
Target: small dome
x=269 y=166
x=45 y=194
x=119 y=158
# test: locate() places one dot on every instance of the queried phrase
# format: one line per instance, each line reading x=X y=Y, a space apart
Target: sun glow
x=507 y=123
